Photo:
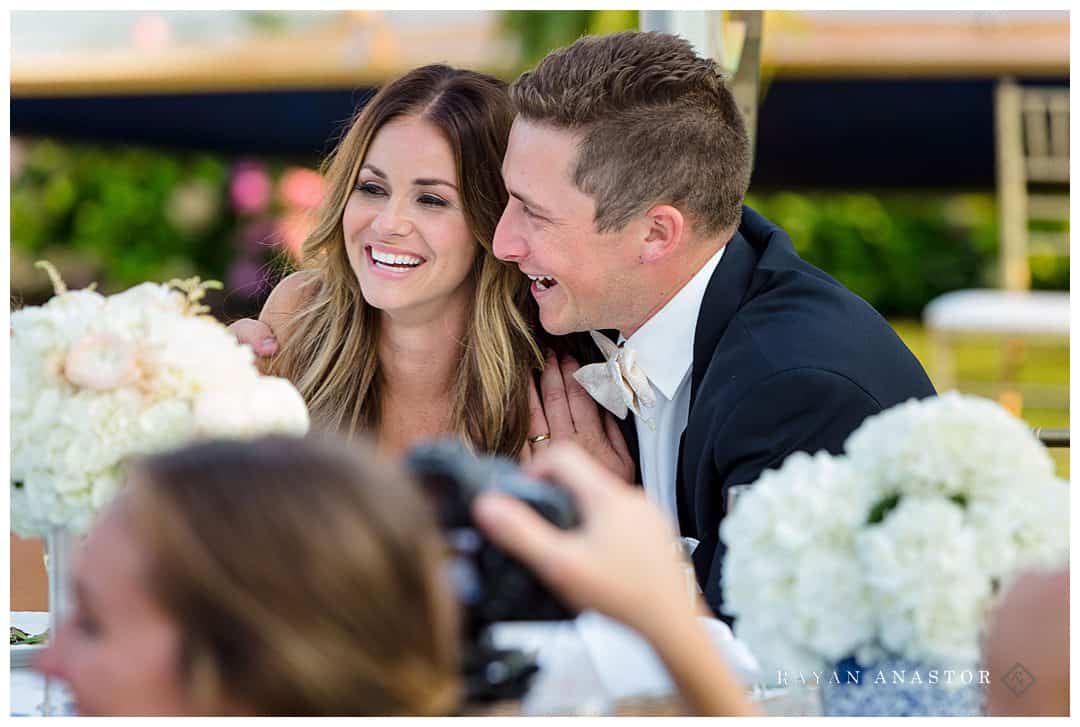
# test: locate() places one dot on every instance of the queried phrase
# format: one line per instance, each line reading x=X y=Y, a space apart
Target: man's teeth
x=397 y=260
x=543 y=282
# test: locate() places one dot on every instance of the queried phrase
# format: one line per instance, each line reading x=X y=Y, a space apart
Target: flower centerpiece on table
x=96 y=379
x=845 y=569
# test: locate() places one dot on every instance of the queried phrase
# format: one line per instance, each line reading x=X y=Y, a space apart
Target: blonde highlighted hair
x=305 y=578
x=329 y=348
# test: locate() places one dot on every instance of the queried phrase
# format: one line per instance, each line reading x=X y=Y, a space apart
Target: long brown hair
x=330 y=347
x=305 y=576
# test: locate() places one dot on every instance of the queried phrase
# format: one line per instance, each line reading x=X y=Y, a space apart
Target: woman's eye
x=432 y=201
x=370 y=189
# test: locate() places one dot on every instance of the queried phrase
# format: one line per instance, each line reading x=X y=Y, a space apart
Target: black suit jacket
x=786 y=359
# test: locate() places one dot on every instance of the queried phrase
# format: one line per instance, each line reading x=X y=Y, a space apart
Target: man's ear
x=664 y=232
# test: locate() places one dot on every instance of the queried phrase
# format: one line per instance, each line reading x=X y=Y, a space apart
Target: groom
x=627 y=166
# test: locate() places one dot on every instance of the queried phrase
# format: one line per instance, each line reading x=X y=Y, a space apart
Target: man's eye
x=371 y=189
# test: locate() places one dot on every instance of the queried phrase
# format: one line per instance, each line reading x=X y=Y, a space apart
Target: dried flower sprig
x=195 y=289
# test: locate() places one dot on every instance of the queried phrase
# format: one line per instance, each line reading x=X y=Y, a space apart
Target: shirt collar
x=664 y=345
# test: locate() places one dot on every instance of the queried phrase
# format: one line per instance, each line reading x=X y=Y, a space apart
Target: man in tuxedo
x=627 y=166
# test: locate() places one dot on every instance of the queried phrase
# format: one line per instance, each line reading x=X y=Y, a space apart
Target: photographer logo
x=1018 y=679
x=917 y=677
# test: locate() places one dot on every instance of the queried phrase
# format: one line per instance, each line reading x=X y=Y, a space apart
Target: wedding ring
x=539 y=438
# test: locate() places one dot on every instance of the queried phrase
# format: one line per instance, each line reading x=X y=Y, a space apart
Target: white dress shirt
x=664 y=347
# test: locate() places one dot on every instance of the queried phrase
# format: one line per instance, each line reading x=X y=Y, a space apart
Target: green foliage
x=542 y=31
x=122 y=215
x=882 y=508
x=899 y=250
x=270 y=21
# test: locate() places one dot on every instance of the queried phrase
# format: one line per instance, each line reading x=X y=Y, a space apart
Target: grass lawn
x=979 y=363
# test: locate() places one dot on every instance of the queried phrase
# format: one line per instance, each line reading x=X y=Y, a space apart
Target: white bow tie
x=618 y=384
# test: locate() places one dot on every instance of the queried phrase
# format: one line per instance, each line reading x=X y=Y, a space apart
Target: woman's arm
x=286 y=299
x=621 y=561
x=701 y=674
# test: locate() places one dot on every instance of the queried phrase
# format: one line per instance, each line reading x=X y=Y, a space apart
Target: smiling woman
x=406 y=236
x=402 y=321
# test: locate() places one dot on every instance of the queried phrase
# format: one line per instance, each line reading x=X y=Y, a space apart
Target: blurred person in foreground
x=627 y=166
x=1027 y=648
x=402 y=324
x=297 y=577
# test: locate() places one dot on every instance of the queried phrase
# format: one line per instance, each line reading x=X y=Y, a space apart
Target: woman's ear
x=664 y=230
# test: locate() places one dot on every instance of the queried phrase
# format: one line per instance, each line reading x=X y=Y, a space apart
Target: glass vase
x=60 y=547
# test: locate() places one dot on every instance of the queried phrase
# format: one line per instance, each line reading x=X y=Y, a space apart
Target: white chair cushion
x=1000 y=311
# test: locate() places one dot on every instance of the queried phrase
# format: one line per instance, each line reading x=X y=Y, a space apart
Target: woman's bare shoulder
x=288 y=296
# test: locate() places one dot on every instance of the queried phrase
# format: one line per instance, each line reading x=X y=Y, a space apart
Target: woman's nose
x=391 y=222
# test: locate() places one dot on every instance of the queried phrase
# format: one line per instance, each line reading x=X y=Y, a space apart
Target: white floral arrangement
x=897 y=546
x=96 y=379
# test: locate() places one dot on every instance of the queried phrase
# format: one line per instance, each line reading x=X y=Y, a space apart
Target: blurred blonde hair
x=305 y=578
x=329 y=349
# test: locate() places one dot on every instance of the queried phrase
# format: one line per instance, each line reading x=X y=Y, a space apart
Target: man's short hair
x=657 y=123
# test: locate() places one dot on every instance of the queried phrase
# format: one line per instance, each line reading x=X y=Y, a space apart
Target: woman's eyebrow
x=432 y=182
x=421 y=182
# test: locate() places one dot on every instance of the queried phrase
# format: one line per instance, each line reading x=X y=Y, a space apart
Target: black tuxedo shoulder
x=770 y=311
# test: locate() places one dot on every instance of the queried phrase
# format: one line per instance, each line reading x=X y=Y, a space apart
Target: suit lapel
x=725 y=293
x=726 y=290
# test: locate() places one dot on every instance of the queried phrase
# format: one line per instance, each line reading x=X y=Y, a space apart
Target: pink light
x=250 y=188
x=301 y=188
x=295 y=228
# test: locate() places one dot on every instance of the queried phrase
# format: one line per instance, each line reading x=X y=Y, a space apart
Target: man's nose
x=508 y=244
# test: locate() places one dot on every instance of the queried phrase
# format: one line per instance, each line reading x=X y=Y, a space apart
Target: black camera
x=491 y=585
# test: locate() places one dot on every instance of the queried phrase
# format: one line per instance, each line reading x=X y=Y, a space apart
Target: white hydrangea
x=928 y=591
x=1027 y=527
x=97 y=379
x=790 y=575
x=953 y=444
x=898 y=545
